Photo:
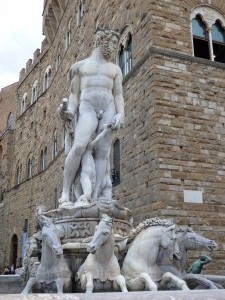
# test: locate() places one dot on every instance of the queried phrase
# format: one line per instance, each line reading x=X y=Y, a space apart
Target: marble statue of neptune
x=96 y=97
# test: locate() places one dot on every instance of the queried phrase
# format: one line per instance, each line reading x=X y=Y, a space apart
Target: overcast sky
x=20 y=36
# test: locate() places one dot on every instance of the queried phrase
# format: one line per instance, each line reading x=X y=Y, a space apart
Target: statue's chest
x=93 y=69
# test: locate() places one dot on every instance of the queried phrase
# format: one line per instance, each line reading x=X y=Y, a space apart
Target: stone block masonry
x=174 y=135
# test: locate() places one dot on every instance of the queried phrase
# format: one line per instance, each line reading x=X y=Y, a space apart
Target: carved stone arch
x=124 y=56
x=125 y=34
x=209 y=15
x=221 y=23
x=202 y=19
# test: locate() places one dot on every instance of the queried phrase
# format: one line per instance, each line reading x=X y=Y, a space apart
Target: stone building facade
x=172 y=148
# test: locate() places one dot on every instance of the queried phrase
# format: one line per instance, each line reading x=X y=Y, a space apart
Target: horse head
x=50 y=237
x=102 y=233
x=170 y=243
x=194 y=241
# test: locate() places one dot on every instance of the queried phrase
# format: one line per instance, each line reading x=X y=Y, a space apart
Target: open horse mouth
x=212 y=245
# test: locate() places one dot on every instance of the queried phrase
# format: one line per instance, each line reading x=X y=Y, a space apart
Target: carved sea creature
x=139 y=267
x=53 y=266
x=187 y=239
x=101 y=263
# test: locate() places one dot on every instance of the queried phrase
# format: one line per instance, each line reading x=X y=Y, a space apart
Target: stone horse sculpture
x=139 y=267
x=187 y=239
x=53 y=266
x=101 y=264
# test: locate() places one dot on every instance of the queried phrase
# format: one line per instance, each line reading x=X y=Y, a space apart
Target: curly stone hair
x=104 y=33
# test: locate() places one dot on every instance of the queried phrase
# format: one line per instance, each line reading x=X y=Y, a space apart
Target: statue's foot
x=81 y=202
x=65 y=203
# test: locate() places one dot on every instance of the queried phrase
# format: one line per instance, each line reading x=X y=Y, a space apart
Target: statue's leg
x=120 y=281
x=102 y=152
x=107 y=186
x=59 y=285
x=142 y=282
x=169 y=277
x=89 y=284
x=88 y=174
x=86 y=126
x=30 y=283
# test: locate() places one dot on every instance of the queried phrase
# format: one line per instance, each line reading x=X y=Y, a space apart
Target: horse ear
x=170 y=228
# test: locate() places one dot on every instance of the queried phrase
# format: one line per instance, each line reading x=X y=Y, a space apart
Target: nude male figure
x=96 y=90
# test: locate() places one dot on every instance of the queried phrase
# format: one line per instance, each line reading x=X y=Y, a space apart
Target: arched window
x=34 y=92
x=68 y=34
x=23 y=103
x=125 y=53
x=218 y=41
x=43 y=159
x=9 y=124
x=19 y=174
x=56 y=197
x=57 y=61
x=116 y=163
x=47 y=78
x=208 y=33
x=30 y=168
x=200 y=38
x=54 y=145
x=80 y=13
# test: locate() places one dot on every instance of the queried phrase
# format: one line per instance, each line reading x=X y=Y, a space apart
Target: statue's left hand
x=118 y=121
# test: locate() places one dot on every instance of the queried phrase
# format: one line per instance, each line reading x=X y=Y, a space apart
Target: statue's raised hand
x=64 y=113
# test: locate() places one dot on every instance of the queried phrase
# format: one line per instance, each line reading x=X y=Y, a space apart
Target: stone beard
x=106 y=51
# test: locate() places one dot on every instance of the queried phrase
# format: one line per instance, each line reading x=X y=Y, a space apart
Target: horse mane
x=153 y=222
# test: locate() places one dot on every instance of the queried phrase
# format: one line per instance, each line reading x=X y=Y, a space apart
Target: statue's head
x=107 y=39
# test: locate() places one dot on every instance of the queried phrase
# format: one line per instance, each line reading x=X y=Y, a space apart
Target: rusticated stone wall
x=173 y=138
x=7 y=107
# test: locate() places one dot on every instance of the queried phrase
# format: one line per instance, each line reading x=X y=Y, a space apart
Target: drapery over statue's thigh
x=96 y=91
